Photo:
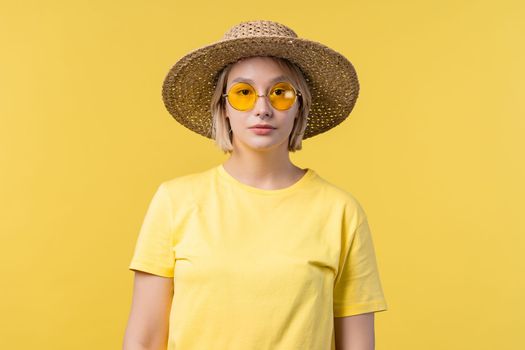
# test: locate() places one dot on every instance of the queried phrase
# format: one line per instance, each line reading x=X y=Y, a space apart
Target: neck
x=269 y=168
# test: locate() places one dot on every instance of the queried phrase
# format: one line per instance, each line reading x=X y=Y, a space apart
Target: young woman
x=256 y=253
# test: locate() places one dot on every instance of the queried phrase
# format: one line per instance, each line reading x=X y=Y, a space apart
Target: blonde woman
x=256 y=253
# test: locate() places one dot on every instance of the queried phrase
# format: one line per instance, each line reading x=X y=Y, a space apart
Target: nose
x=262 y=107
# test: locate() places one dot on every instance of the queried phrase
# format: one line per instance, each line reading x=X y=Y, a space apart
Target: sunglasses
x=242 y=96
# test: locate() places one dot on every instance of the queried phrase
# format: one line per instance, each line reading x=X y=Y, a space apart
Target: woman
x=256 y=253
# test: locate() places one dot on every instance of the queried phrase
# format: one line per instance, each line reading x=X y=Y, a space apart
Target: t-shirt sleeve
x=357 y=287
x=154 y=246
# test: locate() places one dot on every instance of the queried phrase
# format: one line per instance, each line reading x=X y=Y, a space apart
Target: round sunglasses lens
x=282 y=96
x=242 y=96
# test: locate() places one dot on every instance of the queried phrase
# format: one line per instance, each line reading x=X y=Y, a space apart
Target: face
x=262 y=73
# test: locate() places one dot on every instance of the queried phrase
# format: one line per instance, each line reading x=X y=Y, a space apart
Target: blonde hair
x=221 y=129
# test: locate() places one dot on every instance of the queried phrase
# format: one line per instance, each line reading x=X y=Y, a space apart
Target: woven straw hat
x=331 y=77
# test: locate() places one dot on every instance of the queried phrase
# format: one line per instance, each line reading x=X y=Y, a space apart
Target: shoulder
x=337 y=192
x=182 y=188
x=187 y=180
x=342 y=197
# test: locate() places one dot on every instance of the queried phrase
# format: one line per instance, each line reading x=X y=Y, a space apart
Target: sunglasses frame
x=296 y=92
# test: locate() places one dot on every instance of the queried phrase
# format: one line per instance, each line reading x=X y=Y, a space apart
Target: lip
x=262 y=131
x=262 y=126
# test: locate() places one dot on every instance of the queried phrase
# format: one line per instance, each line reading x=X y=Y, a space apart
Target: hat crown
x=255 y=29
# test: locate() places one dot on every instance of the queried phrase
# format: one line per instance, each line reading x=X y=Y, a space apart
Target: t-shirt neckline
x=310 y=174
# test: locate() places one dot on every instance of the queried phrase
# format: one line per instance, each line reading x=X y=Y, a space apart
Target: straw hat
x=331 y=77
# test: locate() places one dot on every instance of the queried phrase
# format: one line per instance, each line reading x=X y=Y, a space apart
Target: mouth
x=262 y=130
x=262 y=127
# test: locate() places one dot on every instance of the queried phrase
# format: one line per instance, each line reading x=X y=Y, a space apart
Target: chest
x=260 y=247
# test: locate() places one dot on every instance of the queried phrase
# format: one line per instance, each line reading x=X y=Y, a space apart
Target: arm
x=147 y=327
x=354 y=332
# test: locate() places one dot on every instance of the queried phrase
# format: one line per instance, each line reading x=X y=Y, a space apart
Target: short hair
x=221 y=127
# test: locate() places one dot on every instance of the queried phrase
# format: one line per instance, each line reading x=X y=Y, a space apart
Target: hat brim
x=331 y=77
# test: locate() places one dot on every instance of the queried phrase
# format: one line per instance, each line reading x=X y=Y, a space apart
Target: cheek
x=235 y=117
x=294 y=114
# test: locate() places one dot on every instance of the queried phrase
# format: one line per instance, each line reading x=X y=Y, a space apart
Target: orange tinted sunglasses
x=242 y=96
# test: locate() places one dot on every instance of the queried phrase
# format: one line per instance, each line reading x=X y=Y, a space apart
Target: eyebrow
x=274 y=80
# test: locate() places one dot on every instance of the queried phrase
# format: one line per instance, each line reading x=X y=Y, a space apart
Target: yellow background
x=434 y=150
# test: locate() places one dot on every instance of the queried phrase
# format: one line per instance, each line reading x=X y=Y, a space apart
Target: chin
x=268 y=145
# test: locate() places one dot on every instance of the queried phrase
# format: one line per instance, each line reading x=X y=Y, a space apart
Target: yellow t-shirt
x=258 y=269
